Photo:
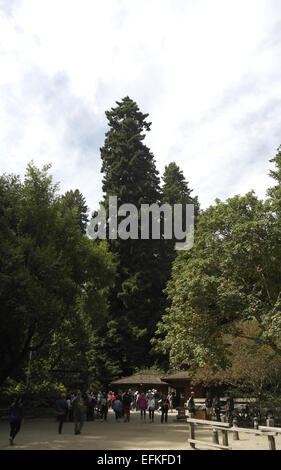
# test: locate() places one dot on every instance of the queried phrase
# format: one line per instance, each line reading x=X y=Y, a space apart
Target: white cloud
x=207 y=71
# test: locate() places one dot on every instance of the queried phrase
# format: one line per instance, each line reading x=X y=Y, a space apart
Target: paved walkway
x=42 y=434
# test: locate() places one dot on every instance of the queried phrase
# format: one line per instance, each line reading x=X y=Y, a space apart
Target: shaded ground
x=42 y=434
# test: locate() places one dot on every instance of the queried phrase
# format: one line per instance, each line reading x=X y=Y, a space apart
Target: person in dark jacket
x=104 y=407
x=229 y=408
x=164 y=409
x=16 y=418
x=62 y=409
x=191 y=405
x=208 y=406
x=126 y=401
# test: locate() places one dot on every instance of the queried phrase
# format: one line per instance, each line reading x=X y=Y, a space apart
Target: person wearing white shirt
x=151 y=408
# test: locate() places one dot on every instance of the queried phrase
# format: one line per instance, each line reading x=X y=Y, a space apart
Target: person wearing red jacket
x=142 y=405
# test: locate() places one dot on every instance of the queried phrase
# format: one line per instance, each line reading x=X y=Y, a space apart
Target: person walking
x=79 y=412
x=16 y=418
x=151 y=408
x=164 y=409
x=62 y=410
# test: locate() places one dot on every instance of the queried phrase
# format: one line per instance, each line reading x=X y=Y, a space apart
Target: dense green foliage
x=77 y=312
x=230 y=277
x=137 y=298
x=54 y=279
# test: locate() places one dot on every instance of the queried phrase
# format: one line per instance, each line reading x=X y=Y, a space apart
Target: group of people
x=213 y=407
x=150 y=402
x=80 y=407
x=86 y=406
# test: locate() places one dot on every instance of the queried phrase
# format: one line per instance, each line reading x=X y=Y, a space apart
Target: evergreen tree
x=74 y=199
x=137 y=299
x=175 y=190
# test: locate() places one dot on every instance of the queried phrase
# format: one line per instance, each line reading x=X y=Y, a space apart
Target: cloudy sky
x=208 y=72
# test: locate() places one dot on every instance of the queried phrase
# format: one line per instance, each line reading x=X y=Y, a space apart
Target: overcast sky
x=208 y=72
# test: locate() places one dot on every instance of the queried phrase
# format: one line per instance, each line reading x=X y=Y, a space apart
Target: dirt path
x=111 y=435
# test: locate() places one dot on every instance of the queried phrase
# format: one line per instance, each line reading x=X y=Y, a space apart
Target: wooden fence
x=224 y=428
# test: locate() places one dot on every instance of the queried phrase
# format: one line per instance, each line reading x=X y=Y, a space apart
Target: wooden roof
x=140 y=378
x=180 y=375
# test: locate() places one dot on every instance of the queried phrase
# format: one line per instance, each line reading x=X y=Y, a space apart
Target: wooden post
x=271 y=439
x=224 y=432
x=224 y=437
x=271 y=443
x=192 y=434
x=215 y=437
x=235 y=433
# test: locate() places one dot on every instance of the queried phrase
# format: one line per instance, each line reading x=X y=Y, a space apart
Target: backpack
x=117 y=405
x=80 y=406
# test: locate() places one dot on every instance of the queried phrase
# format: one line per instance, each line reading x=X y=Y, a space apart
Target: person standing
x=229 y=407
x=16 y=418
x=164 y=409
x=217 y=407
x=169 y=397
x=104 y=407
x=79 y=412
x=62 y=409
x=72 y=397
x=112 y=398
x=127 y=400
x=151 y=408
x=68 y=400
x=173 y=400
x=208 y=406
x=156 y=398
x=136 y=398
x=90 y=408
x=116 y=405
x=142 y=405
x=191 y=405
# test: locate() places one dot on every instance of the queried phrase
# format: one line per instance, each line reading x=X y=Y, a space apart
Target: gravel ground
x=42 y=434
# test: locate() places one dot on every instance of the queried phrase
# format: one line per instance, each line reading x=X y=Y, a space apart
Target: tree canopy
x=47 y=266
x=231 y=275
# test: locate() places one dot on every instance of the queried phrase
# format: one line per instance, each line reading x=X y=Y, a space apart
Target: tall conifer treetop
x=127 y=164
x=136 y=302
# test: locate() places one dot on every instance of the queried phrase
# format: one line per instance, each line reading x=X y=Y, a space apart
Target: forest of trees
x=82 y=312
